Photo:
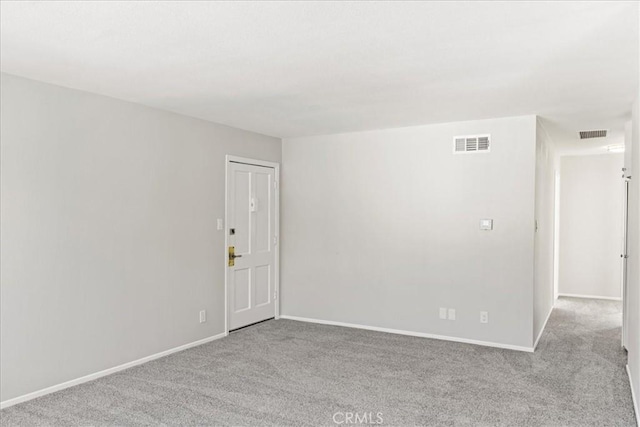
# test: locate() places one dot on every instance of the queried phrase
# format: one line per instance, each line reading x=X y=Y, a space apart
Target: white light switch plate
x=220 y=224
x=443 y=313
x=484 y=317
x=452 y=314
x=486 y=224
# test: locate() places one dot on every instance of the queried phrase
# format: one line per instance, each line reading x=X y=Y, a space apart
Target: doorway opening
x=590 y=260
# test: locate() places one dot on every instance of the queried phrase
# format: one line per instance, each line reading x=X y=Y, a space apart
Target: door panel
x=242 y=218
x=262 y=225
x=241 y=289
x=263 y=285
x=251 y=226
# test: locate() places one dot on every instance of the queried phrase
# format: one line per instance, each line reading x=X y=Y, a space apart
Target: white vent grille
x=472 y=144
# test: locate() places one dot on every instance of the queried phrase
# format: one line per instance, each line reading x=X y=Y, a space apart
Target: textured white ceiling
x=308 y=68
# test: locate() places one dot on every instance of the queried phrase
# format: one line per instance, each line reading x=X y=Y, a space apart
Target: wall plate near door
x=484 y=317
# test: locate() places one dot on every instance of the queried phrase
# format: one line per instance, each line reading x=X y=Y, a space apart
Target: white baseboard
x=96 y=375
x=634 y=397
x=535 y=345
x=410 y=333
x=590 y=297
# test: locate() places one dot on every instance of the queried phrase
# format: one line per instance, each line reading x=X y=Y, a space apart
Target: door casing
x=276 y=167
x=624 y=258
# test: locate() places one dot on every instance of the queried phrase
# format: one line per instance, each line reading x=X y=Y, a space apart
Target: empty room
x=319 y=213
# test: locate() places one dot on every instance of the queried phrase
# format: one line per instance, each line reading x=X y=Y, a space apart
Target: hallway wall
x=547 y=162
x=633 y=281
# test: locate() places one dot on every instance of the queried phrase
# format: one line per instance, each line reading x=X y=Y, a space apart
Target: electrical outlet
x=443 y=313
x=203 y=316
x=484 y=317
x=452 y=314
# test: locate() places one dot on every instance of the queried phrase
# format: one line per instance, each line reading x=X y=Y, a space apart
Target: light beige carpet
x=290 y=373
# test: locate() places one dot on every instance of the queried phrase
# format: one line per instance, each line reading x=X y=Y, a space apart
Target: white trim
x=409 y=333
x=96 y=375
x=556 y=230
x=590 y=297
x=255 y=162
x=634 y=396
x=226 y=243
x=624 y=262
x=535 y=345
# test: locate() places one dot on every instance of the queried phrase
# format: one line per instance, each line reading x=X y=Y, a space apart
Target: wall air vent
x=586 y=134
x=472 y=144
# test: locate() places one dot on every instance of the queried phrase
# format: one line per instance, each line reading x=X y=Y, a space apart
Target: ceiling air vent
x=586 y=134
x=472 y=144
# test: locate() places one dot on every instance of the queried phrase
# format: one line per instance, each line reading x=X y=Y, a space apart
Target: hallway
x=580 y=361
x=292 y=373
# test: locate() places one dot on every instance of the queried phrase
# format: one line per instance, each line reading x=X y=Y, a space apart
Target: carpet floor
x=284 y=372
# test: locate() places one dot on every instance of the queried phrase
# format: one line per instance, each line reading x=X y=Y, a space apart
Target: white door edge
x=255 y=162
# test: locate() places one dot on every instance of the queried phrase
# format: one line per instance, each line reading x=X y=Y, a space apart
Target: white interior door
x=624 y=257
x=251 y=262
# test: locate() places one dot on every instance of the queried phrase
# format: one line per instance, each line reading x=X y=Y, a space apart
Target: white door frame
x=556 y=235
x=624 y=260
x=276 y=167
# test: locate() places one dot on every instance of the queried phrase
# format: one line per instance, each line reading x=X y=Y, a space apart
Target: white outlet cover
x=452 y=314
x=443 y=313
x=220 y=224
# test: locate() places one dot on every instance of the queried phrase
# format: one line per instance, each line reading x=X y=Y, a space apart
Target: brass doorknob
x=233 y=256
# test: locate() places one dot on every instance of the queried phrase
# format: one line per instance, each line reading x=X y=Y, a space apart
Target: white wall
x=633 y=280
x=381 y=229
x=543 y=292
x=591 y=208
x=109 y=242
